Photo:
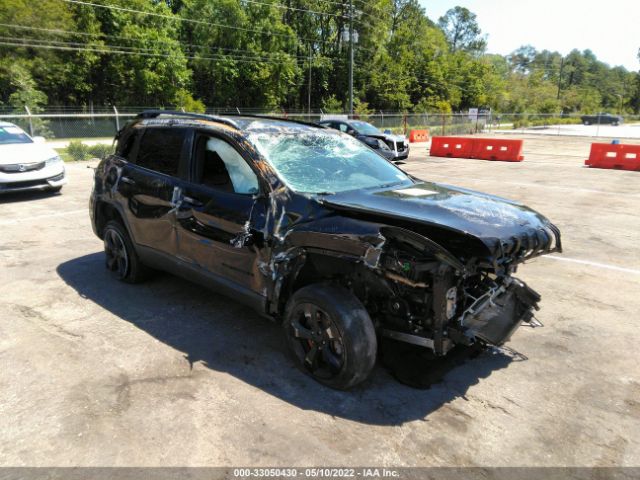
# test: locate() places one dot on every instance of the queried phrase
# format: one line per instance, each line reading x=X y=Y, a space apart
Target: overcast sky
x=610 y=28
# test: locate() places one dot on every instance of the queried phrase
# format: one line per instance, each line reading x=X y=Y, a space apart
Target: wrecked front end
x=434 y=300
x=423 y=284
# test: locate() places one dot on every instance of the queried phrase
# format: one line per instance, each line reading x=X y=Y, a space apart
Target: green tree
x=462 y=30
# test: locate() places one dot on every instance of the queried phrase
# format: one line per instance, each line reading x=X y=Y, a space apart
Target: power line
x=176 y=18
x=203 y=22
x=115 y=49
x=296 y=9
x=212 y=49
x=120 y=37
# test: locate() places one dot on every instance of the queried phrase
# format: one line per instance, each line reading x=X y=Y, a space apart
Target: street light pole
x=350 y=57
x=310 y=59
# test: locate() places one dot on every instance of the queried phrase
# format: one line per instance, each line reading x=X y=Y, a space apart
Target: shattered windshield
x=320 y=161
x=366 y=128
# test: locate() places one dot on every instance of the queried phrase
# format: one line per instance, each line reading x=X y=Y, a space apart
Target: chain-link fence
x=64 y=124
x=69 y=126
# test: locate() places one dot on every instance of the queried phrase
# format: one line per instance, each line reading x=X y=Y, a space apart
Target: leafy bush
x=184 y=100
x=78 y=151
x=100 y=150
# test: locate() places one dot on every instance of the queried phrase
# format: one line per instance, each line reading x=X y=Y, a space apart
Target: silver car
x=27 y=163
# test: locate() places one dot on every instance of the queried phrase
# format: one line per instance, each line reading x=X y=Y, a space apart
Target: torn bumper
x=495 y=318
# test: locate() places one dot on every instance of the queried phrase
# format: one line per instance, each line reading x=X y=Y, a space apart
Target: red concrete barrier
x=481 y=148
x=418 y=136
x=497 y=149
x=456 y=147
x=621 y=157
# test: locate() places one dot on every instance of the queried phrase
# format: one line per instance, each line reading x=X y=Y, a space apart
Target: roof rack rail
x=271 y=117
x=174 y=113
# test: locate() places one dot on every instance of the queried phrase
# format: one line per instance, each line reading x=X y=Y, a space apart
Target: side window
x=343 y=127
x=125 y=145
x=220 y=166
x=160 y=149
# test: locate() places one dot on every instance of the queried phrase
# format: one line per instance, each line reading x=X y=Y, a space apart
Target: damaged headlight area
x=430 y=303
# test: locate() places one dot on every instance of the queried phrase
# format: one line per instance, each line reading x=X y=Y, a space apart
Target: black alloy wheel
x=320 y=346
x=116 y=256
x=121 y=259
x=330 y=335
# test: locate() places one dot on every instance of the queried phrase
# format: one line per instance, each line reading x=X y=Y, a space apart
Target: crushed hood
x=491 y=219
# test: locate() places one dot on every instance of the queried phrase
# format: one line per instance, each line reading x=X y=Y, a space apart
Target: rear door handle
x=192 y=201
x=127 y=180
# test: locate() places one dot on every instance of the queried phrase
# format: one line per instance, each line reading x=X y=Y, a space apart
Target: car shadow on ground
x=225 y=336
x=27 y=196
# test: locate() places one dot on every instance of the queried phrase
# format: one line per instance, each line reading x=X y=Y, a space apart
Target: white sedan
x=26 y=163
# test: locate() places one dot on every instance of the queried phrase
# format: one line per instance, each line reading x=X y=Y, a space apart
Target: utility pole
x=350 y=57
x=310 y=58
x=560 y=77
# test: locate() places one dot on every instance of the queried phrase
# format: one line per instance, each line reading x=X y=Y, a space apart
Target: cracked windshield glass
x=326 y=162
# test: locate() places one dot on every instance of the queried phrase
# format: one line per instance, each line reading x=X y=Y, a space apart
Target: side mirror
x=38 y=140
x=351 y=132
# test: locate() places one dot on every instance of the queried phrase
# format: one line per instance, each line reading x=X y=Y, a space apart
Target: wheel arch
x=308 y=266
x=301 y=266
x=105 y=212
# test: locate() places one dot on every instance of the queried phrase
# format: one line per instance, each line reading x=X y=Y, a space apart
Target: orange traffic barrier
x=418 y=136
x=621 y=157
x=456 y=147
x=481 y=148
x=497 y=149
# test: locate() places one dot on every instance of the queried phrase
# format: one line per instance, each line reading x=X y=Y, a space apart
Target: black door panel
x=216 y=225
x=209 y=234
x=149 y=186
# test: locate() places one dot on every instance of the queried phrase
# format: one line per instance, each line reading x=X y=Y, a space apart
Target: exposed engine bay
x=423 y=298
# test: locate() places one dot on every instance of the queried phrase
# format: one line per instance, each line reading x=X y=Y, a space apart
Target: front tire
x=330 y=335
x=121 y=258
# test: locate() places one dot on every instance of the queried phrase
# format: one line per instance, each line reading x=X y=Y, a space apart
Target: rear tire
x=121 y=258
x=330 y=335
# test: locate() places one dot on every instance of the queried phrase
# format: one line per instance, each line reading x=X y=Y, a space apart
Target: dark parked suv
x=315 y=230
x=392 y=147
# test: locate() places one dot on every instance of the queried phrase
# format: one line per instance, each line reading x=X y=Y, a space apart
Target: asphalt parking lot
x=99 y=373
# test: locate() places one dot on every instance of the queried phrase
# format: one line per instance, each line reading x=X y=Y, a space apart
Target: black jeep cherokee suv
x=314 y=229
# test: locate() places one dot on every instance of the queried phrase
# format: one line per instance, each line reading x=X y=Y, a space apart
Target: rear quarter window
x=125 y=145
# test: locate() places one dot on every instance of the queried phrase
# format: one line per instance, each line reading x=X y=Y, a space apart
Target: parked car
x=315 y=230
x=26 y=163
x=392 y=147
x=601 y=119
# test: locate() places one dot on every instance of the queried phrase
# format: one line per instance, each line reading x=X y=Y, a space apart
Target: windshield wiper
x=386 y=185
